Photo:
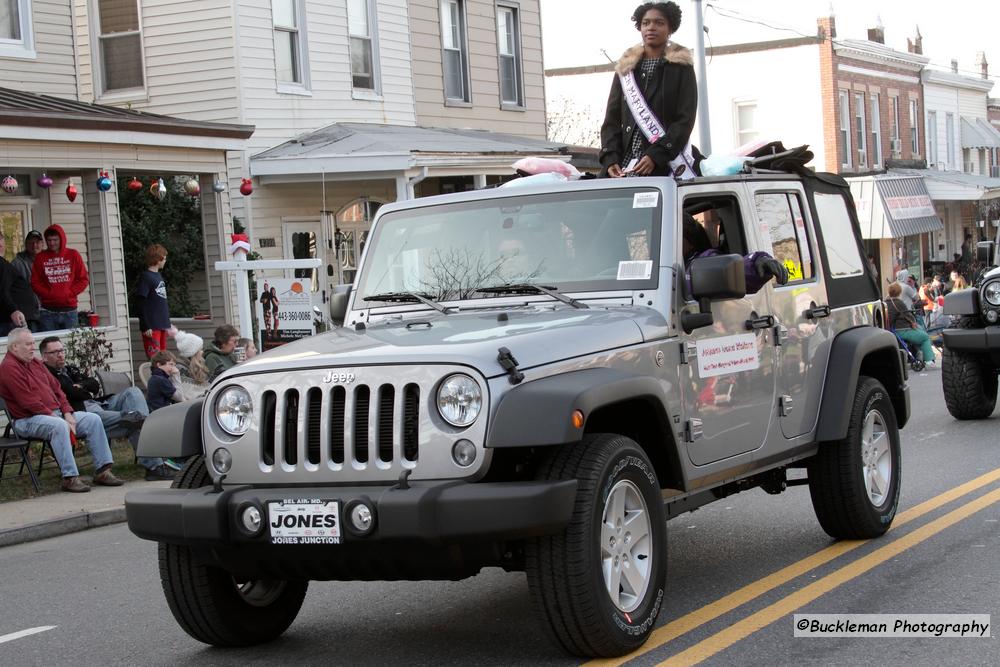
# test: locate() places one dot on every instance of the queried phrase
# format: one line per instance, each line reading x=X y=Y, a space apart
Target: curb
x=62 y=526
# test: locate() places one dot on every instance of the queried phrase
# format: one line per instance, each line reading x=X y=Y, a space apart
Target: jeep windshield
x=575 y=241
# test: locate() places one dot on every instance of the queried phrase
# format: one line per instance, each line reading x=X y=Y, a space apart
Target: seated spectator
x=758 y=267
x=249 y=349
x=122 y=414
x=904 y=323
x=58 y=276
x=191 y=364
x=18 y=306
x=164 y=382
x=219 y=354
x=40 y=409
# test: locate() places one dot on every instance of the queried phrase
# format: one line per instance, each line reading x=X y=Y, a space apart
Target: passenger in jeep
x=758 y=267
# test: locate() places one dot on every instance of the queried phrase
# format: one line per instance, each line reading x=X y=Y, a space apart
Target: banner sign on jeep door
x=727 y=354
x=284 y=311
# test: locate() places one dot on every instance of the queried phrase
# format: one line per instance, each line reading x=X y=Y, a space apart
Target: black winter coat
x=15 y=294
x=672 y=94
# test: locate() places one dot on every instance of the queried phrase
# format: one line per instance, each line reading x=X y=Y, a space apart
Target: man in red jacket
x=40 y=410
x=58 y=276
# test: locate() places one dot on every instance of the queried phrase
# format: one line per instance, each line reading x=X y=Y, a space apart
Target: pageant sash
x=682 y=166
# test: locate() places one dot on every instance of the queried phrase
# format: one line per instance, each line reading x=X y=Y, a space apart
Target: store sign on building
x=912 y=206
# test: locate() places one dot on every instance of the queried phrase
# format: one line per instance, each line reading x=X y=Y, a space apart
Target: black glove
x=768 y=266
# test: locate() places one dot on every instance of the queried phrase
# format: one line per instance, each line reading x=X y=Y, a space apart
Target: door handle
x=816 y=312
x=765 y=322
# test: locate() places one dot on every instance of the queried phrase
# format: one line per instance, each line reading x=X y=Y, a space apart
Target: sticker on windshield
x=645 y=199
x=635 y=270
x=727 y=354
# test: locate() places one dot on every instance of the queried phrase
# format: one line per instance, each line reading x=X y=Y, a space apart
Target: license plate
x=304 y=521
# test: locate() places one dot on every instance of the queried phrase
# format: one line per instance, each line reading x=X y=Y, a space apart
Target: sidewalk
x=62 y=513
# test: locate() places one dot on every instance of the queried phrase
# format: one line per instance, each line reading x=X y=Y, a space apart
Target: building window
x=361 y=26
x=119 y=44
x=876 y=132
x=914 y=138
x=949 y=136
x=456 y=54
x=16 y=39
x=290 y=62
x=845 y=127
x=509 y=51
x=859 y=129
x=746 y=122
x=932 y=136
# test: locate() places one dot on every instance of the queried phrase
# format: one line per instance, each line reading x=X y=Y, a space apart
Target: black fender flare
x=539 y=413
x=173 y=431
x=963 y=302
x=878 y=351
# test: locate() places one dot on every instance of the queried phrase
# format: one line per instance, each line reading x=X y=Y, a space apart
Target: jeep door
x=799 y=307
x=727 y=377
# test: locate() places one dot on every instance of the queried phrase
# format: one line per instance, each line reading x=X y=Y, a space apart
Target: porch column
x=214 y=231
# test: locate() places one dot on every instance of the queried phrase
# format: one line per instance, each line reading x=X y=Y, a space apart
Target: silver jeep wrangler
x=535 y=378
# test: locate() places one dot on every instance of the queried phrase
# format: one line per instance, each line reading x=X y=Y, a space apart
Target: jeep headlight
x=992 y=293
x=459 y=400
x=233 y=409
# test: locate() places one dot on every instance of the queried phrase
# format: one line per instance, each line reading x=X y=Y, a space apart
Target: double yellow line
x=758 y=620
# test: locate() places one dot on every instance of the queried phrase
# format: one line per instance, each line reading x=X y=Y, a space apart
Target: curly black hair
x=670 y=10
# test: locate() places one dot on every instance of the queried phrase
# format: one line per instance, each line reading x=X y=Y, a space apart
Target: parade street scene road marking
x=25 y=633
x=724 y=605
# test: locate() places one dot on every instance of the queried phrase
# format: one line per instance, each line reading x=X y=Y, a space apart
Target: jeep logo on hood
x=339 y=378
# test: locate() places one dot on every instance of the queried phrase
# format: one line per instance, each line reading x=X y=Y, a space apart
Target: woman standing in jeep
x=664 y=98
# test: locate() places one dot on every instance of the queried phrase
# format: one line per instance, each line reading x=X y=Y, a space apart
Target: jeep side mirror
x=338 y=304
x=713 y=278
x=984 y=252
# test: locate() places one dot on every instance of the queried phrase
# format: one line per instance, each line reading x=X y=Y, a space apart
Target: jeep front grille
x=365 y=425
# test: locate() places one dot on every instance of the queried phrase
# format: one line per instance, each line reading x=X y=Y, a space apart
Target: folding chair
x=113 y=382
x=145 y=371
x=10 y=442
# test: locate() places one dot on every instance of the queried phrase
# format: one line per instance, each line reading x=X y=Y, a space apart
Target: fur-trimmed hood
x=674 y=53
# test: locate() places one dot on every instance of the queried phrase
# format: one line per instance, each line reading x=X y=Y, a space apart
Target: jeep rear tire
x=210 y=604
x=969 y=383
x=599 y=585
x=854 y=482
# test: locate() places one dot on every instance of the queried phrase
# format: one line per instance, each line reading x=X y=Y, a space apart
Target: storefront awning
x=893 y=207
x=977 y=133
x=954 y=185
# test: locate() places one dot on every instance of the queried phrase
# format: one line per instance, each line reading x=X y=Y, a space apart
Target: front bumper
x=429 y=512
x=985 y=340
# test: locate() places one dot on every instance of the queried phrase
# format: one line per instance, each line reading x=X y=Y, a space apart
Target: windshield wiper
x=532 y=288
x=408 y=297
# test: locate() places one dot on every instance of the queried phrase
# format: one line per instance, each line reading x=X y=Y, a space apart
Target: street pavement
x=729 y=601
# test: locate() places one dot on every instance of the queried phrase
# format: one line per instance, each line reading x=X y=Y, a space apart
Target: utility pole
x=704 y=131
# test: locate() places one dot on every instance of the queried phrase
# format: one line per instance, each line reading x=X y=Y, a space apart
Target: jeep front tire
x=969 y=383
x=210 y=604
x=599 y=585
x=854 y=482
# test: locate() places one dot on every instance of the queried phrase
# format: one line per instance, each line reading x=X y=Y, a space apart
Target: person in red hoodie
x=58 y=276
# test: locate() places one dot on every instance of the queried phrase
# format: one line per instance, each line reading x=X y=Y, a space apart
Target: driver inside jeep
x=758 y=267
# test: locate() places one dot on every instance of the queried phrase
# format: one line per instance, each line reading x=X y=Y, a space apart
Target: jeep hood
x=534 y=335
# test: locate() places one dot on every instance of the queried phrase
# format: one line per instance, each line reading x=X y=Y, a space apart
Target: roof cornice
x=880 y=54
x=953 y=80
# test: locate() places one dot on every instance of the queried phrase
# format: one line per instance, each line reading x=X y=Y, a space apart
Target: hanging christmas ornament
x=158 y=189
x=9 y=185
x=71 y=191
x=44 y=181
x=246 y=189
x=218 y=186
x=104 y=182
x=134 y=185
x=192 y=188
